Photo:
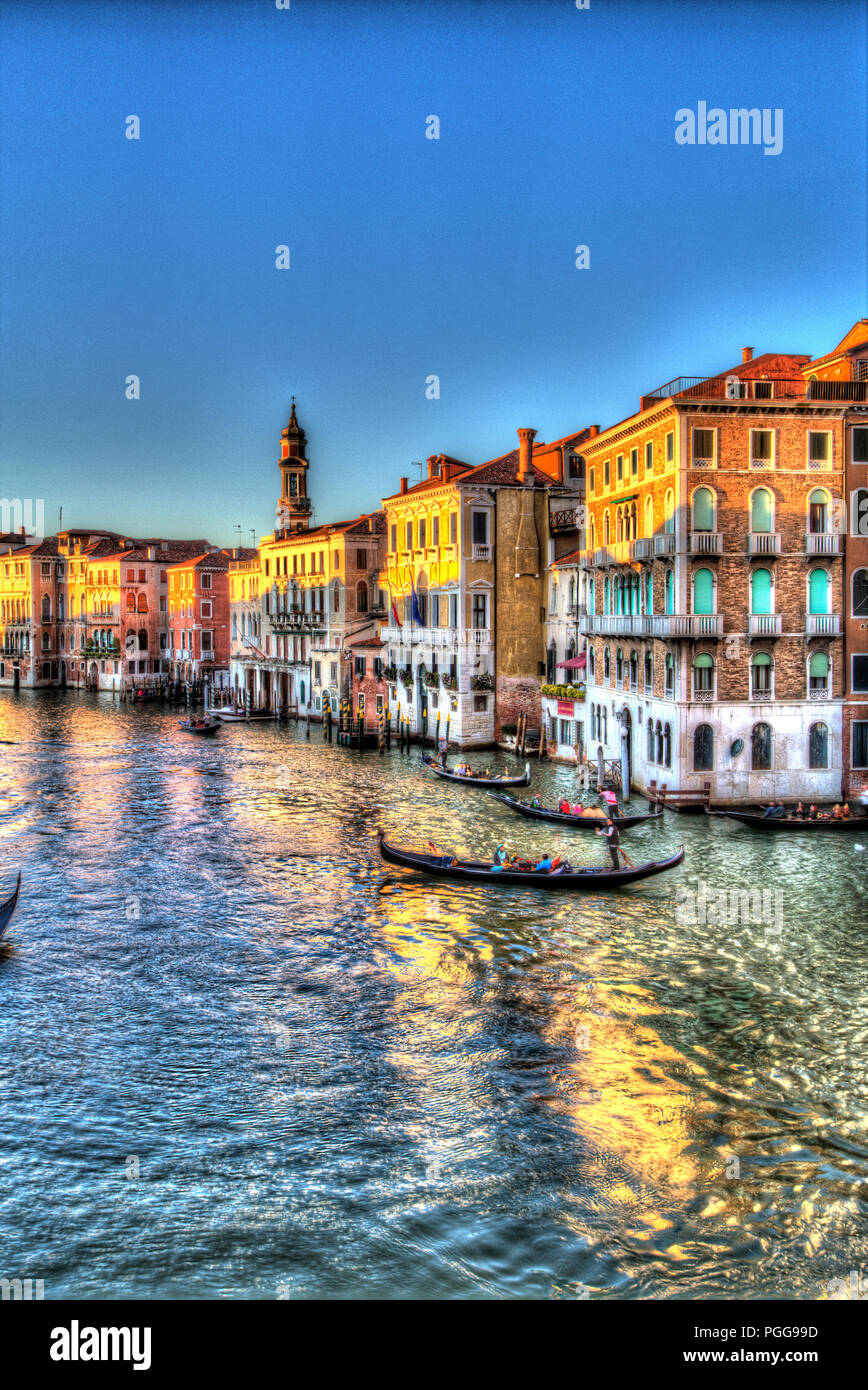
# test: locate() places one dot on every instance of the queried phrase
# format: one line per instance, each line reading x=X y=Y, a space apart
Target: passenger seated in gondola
x=799 y=813
x=564 y=806
x=546 y=865
x=845 y=811
x=500 y=860
x=769 y=812
x=578 y=809
x=836 y=811
x=813 y=813
x=536 y=803
x=780 y=811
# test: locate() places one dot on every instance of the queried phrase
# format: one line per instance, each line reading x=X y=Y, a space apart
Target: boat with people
x=8 y=907
x=589 y=818
x=524 y=873
x=465 y=774
x=240 y=716
x=811 y=820
x=205 y=727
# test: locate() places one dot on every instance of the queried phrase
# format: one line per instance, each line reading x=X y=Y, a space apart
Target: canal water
x=243 y=1058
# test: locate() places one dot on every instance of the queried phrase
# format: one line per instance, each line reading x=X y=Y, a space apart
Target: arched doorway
x=627 y=747
x=93 y=675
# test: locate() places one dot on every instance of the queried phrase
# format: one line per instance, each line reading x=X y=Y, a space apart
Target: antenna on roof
x=237 y=528
x=253 y=537
x=418 y=463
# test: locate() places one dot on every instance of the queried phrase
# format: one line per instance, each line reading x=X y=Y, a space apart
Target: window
x=761 y=449
x=422 y=533
x=362 y=597
x=669 y=513
x=818 y=671
x=207 y=643
x=408 y=531
x=360 y=667
x=761 y=677
x=860 y=594
x=703 y=448
x=818 y=511
x=206 y=608
x=761 y=591
x=480 y=704
x=818 y=592
x=453 y=528
x=670 y=675
x=592 y=481
x=703 y=748
x=761 y=748
x=649 y=457
x=819 y=449
x=480 y=528
x=435 y=531
x=607 y=663
x=859 y=512
x=860 y=673
x=480 y=610
x=703 y=675
x=703 y=592
x=206 y=580
x=670 y=592
x=619 y=472
x=667 y=746
x=650 y=738
x=143 y=639
x=619 y=665
x=336 y=598
x=859 y=444
x=634 y=463
x=453 y=610
x=703 y=509
x=607 y=468
x=670 y=447
x=761 y=510
x=859 y=745
x=649 y=670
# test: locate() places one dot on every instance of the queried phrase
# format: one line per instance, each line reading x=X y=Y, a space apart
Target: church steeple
x=294 y=506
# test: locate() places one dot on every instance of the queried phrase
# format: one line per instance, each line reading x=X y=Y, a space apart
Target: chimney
x=525 y=449
x=403 y=484
x=433 y=467
x=747 y=354
x=152 y=552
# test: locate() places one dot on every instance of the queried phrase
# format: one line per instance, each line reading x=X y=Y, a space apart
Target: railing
x=823 y=693
x=705 y=463
x=298 y=622
x=823 y=625
x=643 y=548
x=764 y=543
x=730 y=386
x=821 y=543
x=706 y=542
x=665 y=544
x=566 y=520
x=480 y=552
x=688 y=625
x=704 y=697
x=766 y=624
x=757 y=464
x=437 y=636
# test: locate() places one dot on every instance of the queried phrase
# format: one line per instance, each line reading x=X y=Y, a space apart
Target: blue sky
x=409 y=256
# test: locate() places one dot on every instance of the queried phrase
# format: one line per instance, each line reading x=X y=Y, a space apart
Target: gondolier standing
x=613 y=840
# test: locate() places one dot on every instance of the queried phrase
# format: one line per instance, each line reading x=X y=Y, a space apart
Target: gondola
x=234 y=716
x=522 y=781
x=585 y=822
x=582 y=880
x=789 y=823
x=7 y=908
x=188 y=727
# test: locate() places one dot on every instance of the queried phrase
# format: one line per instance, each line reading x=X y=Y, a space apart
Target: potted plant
x=449 y=682
x=482 y=682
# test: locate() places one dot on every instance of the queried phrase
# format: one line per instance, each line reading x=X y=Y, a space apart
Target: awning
x=575 y=663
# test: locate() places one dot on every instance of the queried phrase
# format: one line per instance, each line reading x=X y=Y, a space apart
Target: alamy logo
x=76 y=1343
x=15 y=514
x=738 y=126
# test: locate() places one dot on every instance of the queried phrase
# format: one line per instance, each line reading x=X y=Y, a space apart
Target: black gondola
x=7 y=908
x=759 y=822
x=583 y=880
x=522 y=781
x=188 y=726
x=585 y=822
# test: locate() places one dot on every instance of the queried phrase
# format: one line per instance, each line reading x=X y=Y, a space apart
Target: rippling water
x=244 y=1058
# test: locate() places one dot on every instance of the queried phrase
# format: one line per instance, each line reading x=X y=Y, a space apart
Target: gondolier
x=613 y=840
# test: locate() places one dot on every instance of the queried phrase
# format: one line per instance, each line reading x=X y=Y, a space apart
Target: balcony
x=706 y=543
x=643 y=548
x=687 y=625
x=704 y=463
x=823 y=625
x=764 y=543
x=665 y=544
x=766 y=624
x=451 y=637
x=298 y=622
x=566 y=520
x=822 y=543
x=480 y=552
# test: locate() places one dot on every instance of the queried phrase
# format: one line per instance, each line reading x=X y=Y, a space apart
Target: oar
x=627 y=857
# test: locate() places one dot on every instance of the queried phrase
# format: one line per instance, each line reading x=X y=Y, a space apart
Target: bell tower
x=293 y=509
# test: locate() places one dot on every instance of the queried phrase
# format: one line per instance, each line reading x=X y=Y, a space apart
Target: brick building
x=198 y=618
x=713 y=585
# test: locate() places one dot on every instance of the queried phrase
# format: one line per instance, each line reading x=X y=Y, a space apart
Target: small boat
x=475 y=780
x=190 y=726
x=582 y=880
x=238 y=716
x=8 y=907
x=760 y=822
x=591 y=820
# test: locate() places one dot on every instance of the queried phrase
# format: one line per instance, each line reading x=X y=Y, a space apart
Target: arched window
x=61 y=608
x=669 y=506
x=592 y=593
x=336 y=599
x=761 y=748
x=634 y=520
x=703 y=748
x=82 y=609
x=818 y=746
x=818 y=511
x=605 y=724
x=592 y=663
x=670 y=675
x=649 y=670
x=607 y=595
x=703 y=509
x=670 y=592
x=361 y=597
x=649 y=516
x=658 y=731
x=818 y=671
x=634 y=670
x=619 y=665
x=619 y=524
x=703 y=592
x=761 y=510
x=606 y=663
x=761 y=591
x=301 y=692
x=860 y=594
x=703 y=676
x=667 y=746
x=131 y=602
x=761 y=676
x=46 y=608
x=650 y=732
x=606 y=528
x=143 y=639
x=142 y=605
x=649 y=592
x=818 y=592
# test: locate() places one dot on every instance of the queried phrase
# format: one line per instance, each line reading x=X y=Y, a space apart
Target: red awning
x=575 y=663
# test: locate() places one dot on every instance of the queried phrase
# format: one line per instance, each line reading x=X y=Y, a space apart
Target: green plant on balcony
x=564 y=692
x=449 y=682
x=483 y=681
x=406 y=677
x=391 y=673
x=432 y=680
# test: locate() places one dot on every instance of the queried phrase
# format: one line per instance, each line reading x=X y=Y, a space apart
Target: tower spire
x=294 y=506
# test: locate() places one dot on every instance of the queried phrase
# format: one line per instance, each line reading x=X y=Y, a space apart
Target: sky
x=409 y=257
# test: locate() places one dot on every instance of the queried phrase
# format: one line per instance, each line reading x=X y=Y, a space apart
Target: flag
x=417 y=614
x=395 y=618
